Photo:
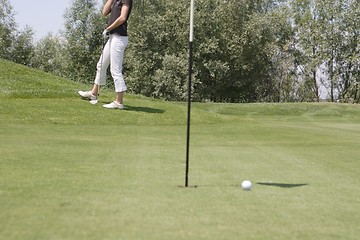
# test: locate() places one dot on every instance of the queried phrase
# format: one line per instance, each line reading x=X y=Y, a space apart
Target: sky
x=43 y=16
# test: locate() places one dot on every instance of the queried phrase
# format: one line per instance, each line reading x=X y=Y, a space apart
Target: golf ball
x=246 y=185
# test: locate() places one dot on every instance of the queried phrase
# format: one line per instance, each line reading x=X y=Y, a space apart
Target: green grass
x=70 y=170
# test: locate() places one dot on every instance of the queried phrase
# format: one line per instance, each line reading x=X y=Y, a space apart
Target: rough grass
x=70 y=170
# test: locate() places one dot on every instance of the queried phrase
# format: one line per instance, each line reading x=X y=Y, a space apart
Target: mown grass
x=70 y=170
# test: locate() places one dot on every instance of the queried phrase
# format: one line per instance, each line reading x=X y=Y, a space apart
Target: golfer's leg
x=118 y=46
x=101 y=67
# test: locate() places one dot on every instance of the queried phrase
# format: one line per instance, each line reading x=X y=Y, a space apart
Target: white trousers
x=113 y=55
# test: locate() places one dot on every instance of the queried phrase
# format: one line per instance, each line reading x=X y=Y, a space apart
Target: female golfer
x=113 y=52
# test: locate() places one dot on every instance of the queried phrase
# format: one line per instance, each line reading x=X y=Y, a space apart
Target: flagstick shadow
x=193 y=186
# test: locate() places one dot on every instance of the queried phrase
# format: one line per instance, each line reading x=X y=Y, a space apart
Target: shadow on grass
x=143 y=109
x=134 y=109
x=193 y=186
x=282 y=185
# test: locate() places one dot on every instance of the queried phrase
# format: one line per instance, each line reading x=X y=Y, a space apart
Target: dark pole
x=188 y=116
x=189 y=92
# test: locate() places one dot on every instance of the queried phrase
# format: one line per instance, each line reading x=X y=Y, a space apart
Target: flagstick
x=189 y=90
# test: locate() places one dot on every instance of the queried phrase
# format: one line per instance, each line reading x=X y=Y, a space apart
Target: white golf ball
x=246 y=185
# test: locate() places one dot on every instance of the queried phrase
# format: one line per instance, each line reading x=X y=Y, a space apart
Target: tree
x=156 y=58
x=48 y=55
x=23 y=48
x=307 y=42
x=327 y=42
x=237 y=41
x=283 y=69
x=83 y=40
x=233 y=50
x=348 y=56
x=7 y=28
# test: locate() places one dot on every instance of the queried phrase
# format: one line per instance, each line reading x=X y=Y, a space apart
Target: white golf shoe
x=114 y=105
x=87 y=94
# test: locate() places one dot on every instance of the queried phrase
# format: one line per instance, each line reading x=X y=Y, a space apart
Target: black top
x=115 y=14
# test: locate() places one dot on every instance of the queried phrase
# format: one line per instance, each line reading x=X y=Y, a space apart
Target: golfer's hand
x=106 y=33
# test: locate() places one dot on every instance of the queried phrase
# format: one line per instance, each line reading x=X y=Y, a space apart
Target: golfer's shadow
x=143 y=109
x=282 y=185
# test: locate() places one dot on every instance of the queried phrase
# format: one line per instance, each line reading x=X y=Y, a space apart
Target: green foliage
x=7 y=28
x=49 y=55
x=15 y=45
x=83 y=29
x=158 y=46
x=244 y=50
x=23 y=48
x=244 y=40
x=327 y=40
x=233 y=50
x=170 y=80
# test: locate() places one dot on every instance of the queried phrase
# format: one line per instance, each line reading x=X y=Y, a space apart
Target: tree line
x=244 y=50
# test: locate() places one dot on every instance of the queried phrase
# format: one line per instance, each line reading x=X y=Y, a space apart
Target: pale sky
x=43 y=16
